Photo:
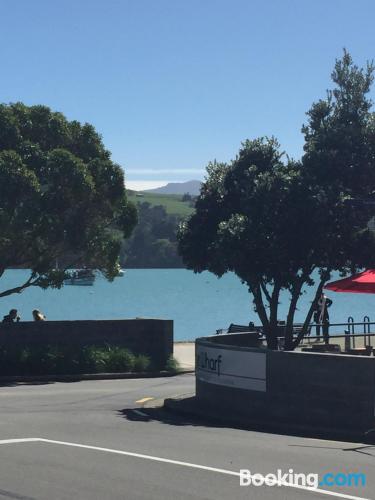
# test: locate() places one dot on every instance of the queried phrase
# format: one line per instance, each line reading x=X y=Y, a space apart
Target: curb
x=189 y=406
x=88 y=376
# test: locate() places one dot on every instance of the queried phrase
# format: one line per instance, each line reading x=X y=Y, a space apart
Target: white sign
x=240 y=369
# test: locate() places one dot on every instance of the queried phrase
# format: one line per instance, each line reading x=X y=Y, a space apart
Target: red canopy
x=358 y=283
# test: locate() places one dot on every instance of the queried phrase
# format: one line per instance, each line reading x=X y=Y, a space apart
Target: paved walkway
x=184 y=353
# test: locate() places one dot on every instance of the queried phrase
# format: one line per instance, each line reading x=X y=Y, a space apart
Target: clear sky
x=173 y=84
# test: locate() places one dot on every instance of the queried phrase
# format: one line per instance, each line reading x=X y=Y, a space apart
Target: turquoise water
x=198 y=303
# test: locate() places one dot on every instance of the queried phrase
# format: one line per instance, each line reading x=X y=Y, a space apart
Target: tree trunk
x=314 y=303
x=296 y=291
x=269 y=330
x=273 y=329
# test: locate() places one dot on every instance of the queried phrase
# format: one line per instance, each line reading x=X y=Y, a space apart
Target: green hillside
x=172 y=202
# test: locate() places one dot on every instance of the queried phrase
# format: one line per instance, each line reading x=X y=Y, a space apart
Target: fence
x=350 y=335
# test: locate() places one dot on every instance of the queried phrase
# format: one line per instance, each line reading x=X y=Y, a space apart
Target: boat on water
x=120 y=271
x=80 y=277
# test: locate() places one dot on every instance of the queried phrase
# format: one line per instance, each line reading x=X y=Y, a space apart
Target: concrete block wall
x=153 y=337
x=333 y=390
x=326 y=390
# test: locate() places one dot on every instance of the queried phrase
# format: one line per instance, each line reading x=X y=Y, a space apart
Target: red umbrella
x=358 y=283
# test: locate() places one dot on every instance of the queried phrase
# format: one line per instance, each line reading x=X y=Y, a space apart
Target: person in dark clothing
x=321 y=316
x=12 y=317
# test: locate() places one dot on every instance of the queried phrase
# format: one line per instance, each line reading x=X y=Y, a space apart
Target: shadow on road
x=168 y=417
x=21 y=384
x=355 y=449
x=165 y=417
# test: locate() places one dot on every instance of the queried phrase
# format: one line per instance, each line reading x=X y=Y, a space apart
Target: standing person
x=38 y=316
x=12 y=317
x=321 y=316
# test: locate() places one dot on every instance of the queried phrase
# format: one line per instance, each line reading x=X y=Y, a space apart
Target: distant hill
x=191 y=187
x=172 y=203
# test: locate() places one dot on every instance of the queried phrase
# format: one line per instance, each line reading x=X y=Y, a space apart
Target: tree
x=153 y=242
x=274 y=223
x=61 y=197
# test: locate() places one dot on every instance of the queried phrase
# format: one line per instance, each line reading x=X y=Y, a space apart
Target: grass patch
x=172 y=203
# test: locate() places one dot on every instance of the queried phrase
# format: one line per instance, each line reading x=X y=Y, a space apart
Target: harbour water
x=198 y=303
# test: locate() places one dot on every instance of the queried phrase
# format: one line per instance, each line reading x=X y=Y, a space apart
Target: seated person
x=38 y=316
x=12 y=317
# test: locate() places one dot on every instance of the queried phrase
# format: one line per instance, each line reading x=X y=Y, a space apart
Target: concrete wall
x=153 y=337
x=329 y=389
x=326 y=390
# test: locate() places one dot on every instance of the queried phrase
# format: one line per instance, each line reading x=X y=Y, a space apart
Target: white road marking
x=194 y=466
x=141 y=413
x=174 y=462
x=20 y=440
x=140 y=401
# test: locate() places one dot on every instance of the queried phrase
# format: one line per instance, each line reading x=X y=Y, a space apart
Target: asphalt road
x=103 y=440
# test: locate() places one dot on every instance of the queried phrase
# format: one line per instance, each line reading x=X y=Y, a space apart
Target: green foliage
x=59 y=360
x=120 y=359
x=187 y=197
x=153 y=243
x=61 y=196
x=93 y=359
x=338 y=164
x=174 y=204
x=172 y=365
x=274 y=221
x=109 y=359
x=142 y=363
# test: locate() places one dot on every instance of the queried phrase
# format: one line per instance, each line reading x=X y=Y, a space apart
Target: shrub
x=93 y=359
x=172 y=365
x=35 y=360
x=120 y=360
x=142 y=363
x=60 y=359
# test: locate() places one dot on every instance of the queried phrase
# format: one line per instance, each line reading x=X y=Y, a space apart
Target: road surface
x=110 y=440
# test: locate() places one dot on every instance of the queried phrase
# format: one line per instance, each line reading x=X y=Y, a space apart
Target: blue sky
x=173 y=84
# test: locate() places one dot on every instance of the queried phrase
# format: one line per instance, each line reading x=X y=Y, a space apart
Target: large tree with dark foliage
x=276 y=223
x=61 y=197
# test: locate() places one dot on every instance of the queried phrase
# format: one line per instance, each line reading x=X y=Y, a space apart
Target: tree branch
x=19 y=289
x=274 y=302
x=265 y=291
x=258 y=301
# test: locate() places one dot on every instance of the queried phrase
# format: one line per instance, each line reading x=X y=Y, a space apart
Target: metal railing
x=352 y=335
